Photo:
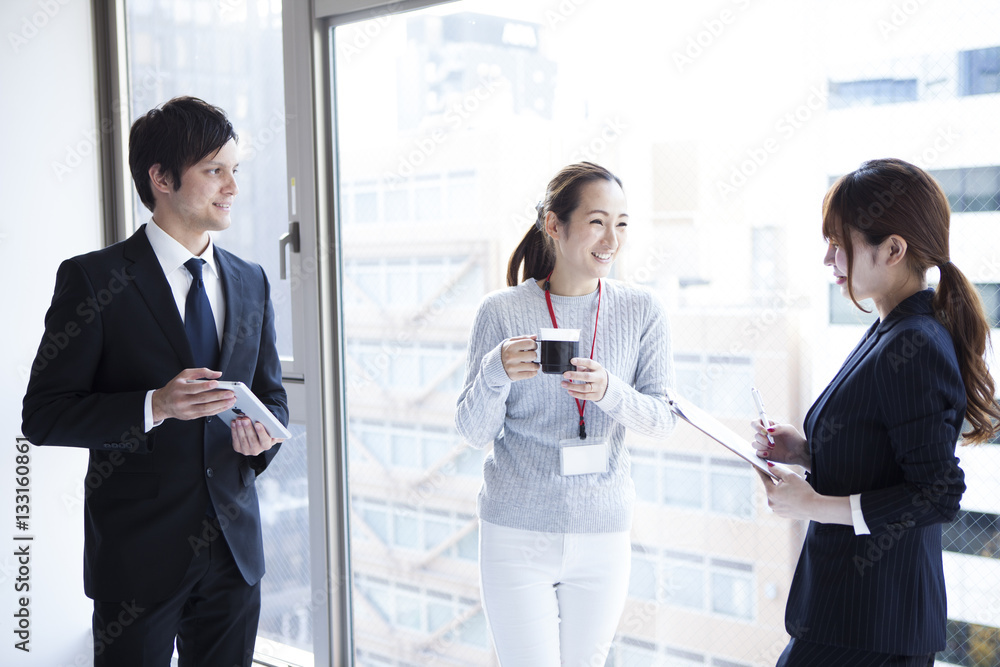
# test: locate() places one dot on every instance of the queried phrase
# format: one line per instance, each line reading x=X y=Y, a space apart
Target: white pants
x=552 y=599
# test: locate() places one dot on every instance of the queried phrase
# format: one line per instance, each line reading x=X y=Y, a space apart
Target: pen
x=759 y=402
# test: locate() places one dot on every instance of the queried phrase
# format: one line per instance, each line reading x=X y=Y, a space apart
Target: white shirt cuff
x=858 y=517
x=147 y=413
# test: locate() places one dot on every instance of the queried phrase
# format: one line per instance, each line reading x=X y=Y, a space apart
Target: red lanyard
x=580 y=405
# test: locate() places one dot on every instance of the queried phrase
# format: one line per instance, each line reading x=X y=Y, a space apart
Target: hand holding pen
x=765 y=422
x=781 y=443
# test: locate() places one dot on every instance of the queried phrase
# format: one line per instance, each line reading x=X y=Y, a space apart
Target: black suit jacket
x=112 y=333
x=886 y=428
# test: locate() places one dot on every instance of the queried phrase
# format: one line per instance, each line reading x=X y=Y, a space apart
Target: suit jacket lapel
x=919 y=303
x=859 y=353
x=152 y=285
x=232 y=287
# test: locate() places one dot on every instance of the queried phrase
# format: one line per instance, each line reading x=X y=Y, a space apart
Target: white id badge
x=583 y=457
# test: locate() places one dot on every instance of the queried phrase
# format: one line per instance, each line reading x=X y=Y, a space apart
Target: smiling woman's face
x=587 y=246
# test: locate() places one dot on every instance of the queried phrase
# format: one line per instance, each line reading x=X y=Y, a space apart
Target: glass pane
x=644 y=478
x=684 y=586
x=732 y=595
x=642 y=580
x=732 y=493
x=286 y=594
x=206 y=49
x=468 y=546
x=174 y=52
x=450 y=124
x=682 y=486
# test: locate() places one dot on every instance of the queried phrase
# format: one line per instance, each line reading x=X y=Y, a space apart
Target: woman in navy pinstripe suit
x=879 y=443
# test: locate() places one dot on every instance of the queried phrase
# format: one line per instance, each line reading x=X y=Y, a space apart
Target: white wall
x=49 y=189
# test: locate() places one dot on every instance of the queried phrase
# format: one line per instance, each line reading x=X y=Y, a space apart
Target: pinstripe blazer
x=885 y=427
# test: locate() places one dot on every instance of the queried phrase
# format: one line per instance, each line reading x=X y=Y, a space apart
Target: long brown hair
x=890 y=196
x=562 y=196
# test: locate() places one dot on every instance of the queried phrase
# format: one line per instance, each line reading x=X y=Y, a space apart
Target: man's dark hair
x=176 y=135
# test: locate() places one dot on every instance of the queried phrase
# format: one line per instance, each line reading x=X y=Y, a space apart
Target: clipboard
x=722 y=434
x=248 y=405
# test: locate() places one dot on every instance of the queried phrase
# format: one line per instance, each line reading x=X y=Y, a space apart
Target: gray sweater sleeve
x=482 y=404
x=643 y=408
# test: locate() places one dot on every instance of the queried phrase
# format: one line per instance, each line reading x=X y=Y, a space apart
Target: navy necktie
x=198 y=320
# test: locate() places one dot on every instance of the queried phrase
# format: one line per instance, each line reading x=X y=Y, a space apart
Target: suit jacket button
x=209 y=472
x=208 y=420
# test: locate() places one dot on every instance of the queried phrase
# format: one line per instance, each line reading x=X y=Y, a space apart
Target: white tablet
x=248 y=405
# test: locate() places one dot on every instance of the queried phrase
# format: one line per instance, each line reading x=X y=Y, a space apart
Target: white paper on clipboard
x=722 y=434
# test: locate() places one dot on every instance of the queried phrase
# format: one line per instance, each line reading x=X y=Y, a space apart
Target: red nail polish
x=770 y=465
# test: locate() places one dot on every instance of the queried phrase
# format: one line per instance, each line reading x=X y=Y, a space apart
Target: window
x=843 y=311
x=449 y=122
x=191 y=48
x=413 y=283
x=980 y=71
x=732 y=589
x=717 y=383
x=976 y=533
x=871 y=92
x=971 y=645
x=694 y=481
x=405 y=199
x=422 y=611
x=420 y=529
x=693 y=581
x=972 y=189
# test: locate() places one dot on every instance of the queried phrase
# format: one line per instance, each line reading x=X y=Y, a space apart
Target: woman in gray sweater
x=557 y=498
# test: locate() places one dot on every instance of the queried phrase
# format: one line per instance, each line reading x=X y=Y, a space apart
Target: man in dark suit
x=136 y=337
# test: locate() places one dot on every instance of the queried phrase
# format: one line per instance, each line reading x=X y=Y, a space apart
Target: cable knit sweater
x=525 y=420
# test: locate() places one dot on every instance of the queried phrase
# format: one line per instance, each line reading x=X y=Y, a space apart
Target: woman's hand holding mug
x=518 y=357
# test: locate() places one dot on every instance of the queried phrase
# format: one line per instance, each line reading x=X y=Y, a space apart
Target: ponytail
x=889 y=196
x=533 y=252
x=958 y=307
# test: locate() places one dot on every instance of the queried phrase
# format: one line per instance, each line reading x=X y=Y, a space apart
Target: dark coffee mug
x=556 y=347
